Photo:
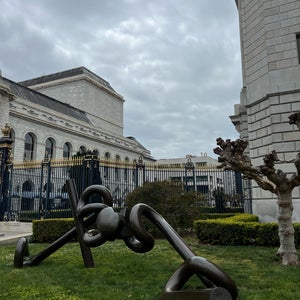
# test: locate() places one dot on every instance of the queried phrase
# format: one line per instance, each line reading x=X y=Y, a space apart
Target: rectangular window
x=201 y=164
x=298 y=45
x=201 y=178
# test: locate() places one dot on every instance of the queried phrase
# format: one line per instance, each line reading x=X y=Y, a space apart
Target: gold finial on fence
x=140 y=162
x=6 y=130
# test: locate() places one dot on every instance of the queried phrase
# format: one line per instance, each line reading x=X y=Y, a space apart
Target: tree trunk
x=287 y=250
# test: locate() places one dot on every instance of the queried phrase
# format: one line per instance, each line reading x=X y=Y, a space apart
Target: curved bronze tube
x=21 y=251
x=210 y=274
x=92 y=240
x=200 y=266
x=95 y=189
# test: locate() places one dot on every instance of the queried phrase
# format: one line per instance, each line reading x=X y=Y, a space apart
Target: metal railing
x=37 y=189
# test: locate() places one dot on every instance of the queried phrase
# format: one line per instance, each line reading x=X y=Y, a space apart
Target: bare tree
x=231 y=156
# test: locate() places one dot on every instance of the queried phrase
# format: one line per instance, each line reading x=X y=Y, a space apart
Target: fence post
x=139 y=168
x=244 y=192
x=238 y=182
x=248 y=196
x=5 y=160
x=91 y=173
x=45 y=187
x=91 y=164
x=189 y=169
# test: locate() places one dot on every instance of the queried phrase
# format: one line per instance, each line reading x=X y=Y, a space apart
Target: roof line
x=48 y=98
x=65 y=74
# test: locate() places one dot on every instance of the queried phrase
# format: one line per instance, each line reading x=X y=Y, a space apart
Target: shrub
x=49 y=230
x=242 y=229
x=227 y=210
x=206 y=216
x=167 y=198
x=244 y=218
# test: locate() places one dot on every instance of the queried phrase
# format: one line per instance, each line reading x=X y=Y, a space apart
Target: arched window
x=117 y=168
x=96 y=152
x=49 y=147
x=29 y=146
x=27 y=201
x=48 y=188
x=134 y=170
x=106 y=169
x=27 y=186
x=82 y=150
x=67 y=150
x=126 y=168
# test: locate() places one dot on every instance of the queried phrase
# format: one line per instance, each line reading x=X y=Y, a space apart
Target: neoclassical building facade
x=64 y=113
x=270 y=52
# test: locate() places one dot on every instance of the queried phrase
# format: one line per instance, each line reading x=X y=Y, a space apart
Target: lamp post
x=5 y=160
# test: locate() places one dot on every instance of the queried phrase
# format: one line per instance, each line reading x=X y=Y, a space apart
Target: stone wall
x=44 y=123
x=271 y=88
x=5 y=98
x=103 y=108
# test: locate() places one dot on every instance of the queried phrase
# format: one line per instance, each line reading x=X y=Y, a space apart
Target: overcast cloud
x=176 y=62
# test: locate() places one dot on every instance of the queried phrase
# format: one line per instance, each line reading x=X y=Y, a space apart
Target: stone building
x=203 y=160
x=201 y=174
x=270 y=52
x=66 y=112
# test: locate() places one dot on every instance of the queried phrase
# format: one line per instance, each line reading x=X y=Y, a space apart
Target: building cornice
x=34 y=115
x=270 y=95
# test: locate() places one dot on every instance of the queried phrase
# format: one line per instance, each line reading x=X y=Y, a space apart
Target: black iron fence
x=37 y=189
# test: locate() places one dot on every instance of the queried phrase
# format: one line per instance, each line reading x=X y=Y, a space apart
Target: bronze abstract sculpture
x=127 y=225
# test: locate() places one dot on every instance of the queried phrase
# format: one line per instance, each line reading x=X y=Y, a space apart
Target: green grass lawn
x=120 y=273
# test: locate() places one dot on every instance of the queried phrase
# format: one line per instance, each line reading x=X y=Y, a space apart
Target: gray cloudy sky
x=176 y=62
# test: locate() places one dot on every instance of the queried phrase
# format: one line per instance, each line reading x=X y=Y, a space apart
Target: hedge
x=49 y=230
x=225 y=229
x=206 y=216
x=213 y=210
x=241 y=229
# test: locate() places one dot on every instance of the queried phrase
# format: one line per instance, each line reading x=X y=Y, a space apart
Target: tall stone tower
x=270 y=52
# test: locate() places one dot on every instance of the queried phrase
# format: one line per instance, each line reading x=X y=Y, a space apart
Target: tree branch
x=231 y=155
